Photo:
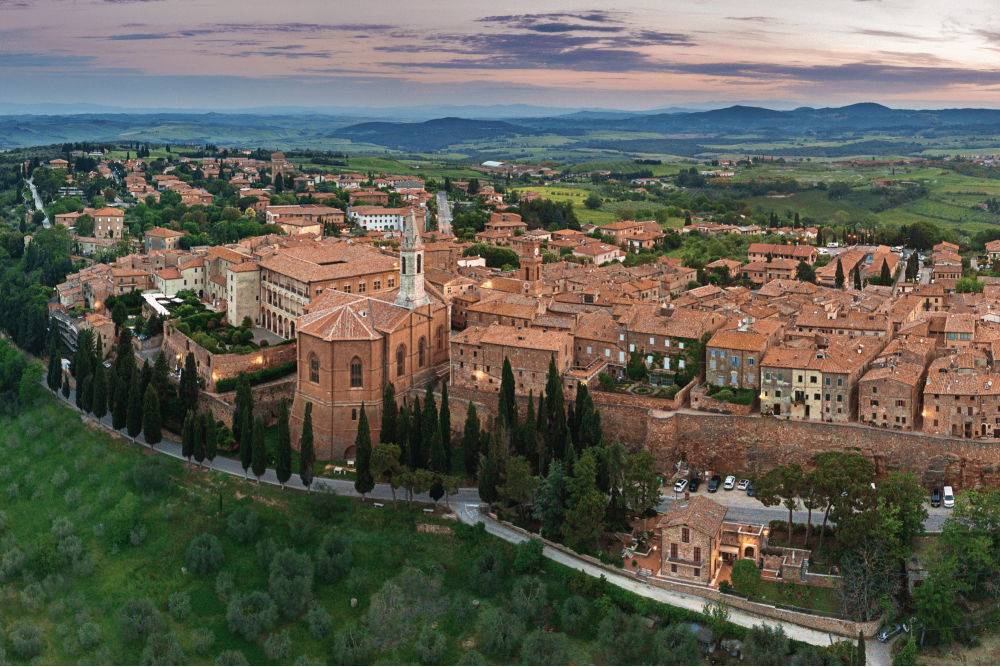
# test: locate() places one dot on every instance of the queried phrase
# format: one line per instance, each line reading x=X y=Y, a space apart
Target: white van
x=832 y=245
x=949 y=497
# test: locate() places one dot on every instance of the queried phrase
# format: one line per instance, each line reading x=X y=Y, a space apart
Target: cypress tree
x=838 y=277
x=542 y=432
x=403 y=435
x=862 y=658
x=528 y=440
x=124 y=356
x=857 y=279
x=119 y=416
x=161 y=378
x=390 y=414
x=65 y=386
x=244 y=404
x=507 y=400
x=436 y=460
x=100 y=392
x=363 y=480
x=200 y=431
x=189 y=384
x=145 y=377
x=554 y=404
x=151 y=417
x=885 y=277
x=306 y=454
x=582 y=396
x=259 y=461
x=80 y=381
x=53 y=379
x=428 y=426
x=133 y=421
x=187 y=437
x=416 y=436
x=444 y=416
x=283 y=457
x=246 y=443
x=87 y=394
x=489 y=475
x=569 y=463
x=470 y=440
x=211 y=437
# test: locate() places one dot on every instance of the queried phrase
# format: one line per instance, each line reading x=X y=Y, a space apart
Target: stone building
x=108 y=223
x=735 y=353
x=350 y=345
x=961 y=399
x=243 y=292
x=160 y=238
x=891 y=396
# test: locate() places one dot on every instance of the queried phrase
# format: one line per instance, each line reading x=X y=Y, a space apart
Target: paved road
x=38 y=202
x=444 y=213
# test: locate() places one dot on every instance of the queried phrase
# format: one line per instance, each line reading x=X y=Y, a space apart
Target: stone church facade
x=351 y=345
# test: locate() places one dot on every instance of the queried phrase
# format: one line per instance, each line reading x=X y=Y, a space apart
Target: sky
x=624 y=55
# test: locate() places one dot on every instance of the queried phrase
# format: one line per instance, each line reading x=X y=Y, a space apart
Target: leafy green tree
x=585 y=516
x=307 y=456
x=134 y=417
x=519 y=484
x=765 y=645
x=385 y=462
x=283 y=456
x=593 y=201
x=390 y=414
x=676 y=645
x=259 y=459
x=745 y=576
x=470 y=439
x=641 y=490
x=550 y=501
x=151 y=417
x=902 y=512
x=364 y=482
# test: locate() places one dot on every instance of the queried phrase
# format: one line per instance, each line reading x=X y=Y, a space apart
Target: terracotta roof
x=192 y=264
x=535 y=339
x=244 y=267
x=162 y=232
x=680 y=323
x=107 y=211
x=328 y=262
x=226 y=254
x=902 y=372
x=170 y=274
x=739 y=340
x=962 y=384
x=699 y=513
x=340 y=316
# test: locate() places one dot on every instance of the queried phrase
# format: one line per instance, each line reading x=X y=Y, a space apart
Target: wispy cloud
x=138 y=36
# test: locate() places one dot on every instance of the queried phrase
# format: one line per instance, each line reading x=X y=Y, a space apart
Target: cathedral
x=351 y=345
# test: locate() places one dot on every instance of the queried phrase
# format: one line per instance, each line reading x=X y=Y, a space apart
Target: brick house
x=993 y=250
x=735 y=353
x=891 y=396
x=160 y=238
x=960 y=400
x=478 y=353
x=599 y=253
x=758 y=252
x=764 y=272
x=108 y=223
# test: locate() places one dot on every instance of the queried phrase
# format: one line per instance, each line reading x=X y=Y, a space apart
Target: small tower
x=531 y=260
x=411 y=268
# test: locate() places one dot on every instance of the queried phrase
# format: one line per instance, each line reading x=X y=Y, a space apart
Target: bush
x=300 y=530
x=278 y=647
x=323 y=501
x=90 y=635
x=529 y=600
x=248 y=615
x=202 y=640
x=291 y=582
x=243 y=524
x=359 y=581
x=44 y=557
x=487 y=574
x=257 y=377
x=60 y=477
x=139 y=618
x=70 y=548
x=500 y=633
x=528 y=556
x=163 y=649
x=430 y=645
x=204 y=554
x=84 y=567
x=123 y=518
x=745 y=576
x=320 y=622
x=224 y=585
x=333 y=558
x=150 y=474
x=26 y=639
x=622 y=638
x=546 y=648
x=13 y=561
x=266 y=551
x=137 y=535
x=351 y=646
x=231 y=658
x=179 y=605
x=32 y=597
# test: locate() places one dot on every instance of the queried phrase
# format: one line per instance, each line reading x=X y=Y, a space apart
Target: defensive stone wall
x=267 y=397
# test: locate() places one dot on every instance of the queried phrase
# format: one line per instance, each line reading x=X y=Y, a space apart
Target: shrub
x=243 y=524
x=163 y=649
x=26 y=639
x=123 y=518
x=80 y=463
x=333 y=558
x=320 y=622
x=60 y=477
x=430 y=645
x=62 y=528
x=257 y=377
x=4 y=521
x=73 y=496
x=359 y=581
x=300 y=530
x=70 y=548
x=137 y=535
x=248 y=615
x=224 y=585
x=528 y=556
x=291 y=582
x=323 y=501
x=151 y=474
x=139 y=618
x=204 y=554
x=487 y=574
x=32 y=597
x=278 y=646
x=529 y=600
x=44 y=557
x=574 y=613
x=179 y=605
x=745 y=576
x=266 y=551
x=352 y=646
x=500 y=633
x=231 y=658
x=546 y=648
x=202 y=640
x=85 y=512
x=84 y=567
x=90 y=635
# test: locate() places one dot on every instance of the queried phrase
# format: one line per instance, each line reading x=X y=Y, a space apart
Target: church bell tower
x=531 y=260
x=411 y=267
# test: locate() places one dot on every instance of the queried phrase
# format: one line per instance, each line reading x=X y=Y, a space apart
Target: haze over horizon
x=182 y=54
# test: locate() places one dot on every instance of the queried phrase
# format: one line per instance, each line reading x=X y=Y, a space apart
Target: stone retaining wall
x=700 y=400
x=267 y=397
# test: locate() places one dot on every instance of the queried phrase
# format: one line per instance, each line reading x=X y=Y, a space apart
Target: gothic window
x=440 y=338
x=400 y=360
x=404 y=266
x=356 y=373
x=421 y=345
x=313 y=368
x=419 y=262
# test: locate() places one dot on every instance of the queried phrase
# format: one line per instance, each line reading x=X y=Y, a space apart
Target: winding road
x=38 y=202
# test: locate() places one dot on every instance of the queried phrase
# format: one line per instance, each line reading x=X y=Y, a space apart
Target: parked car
x=949 y=497
x=832 y=245
x=713 y=484
x=680 y=485
x=750 y=490
x=744 y=483
x=730 y=483
x=936 y=498
x=887 y=632
x=823 y=251
x=694 y=484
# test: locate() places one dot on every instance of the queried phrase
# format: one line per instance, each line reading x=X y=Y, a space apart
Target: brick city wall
x=736 y=444
x=700 y=400
x=214 y=367
x=267 y=397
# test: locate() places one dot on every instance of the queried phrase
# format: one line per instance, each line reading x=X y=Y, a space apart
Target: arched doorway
x=748 y=552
